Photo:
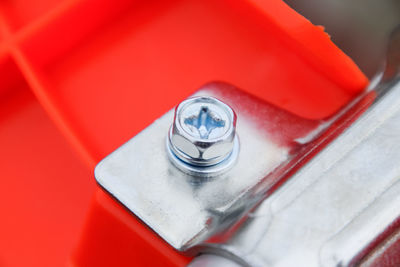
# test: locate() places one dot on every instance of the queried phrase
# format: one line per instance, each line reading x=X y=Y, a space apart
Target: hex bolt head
x=203 y=132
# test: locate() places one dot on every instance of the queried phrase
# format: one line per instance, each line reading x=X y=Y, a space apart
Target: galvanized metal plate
x=187 y=210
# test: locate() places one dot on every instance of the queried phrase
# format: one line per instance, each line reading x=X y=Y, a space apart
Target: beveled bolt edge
x=188 y=156
x=205 y=171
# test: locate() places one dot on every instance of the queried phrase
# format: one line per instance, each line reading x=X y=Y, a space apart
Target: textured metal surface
x=342 y=208
x=187 y=211
x=332 y=212
x=336 y=209
x=209 y=260
x=387 y=254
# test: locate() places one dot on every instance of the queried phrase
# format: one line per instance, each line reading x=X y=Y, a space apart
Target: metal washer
x=203 y=171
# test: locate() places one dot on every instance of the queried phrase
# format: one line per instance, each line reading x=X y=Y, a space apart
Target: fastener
x=202 y=139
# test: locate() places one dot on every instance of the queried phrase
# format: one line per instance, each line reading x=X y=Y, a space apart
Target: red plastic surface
x=44 y=187
x=103 y=70
x=113 y=237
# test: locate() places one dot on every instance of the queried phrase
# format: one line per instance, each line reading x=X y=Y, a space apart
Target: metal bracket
x=187 y=211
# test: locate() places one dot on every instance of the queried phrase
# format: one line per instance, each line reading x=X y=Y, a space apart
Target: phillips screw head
x=203 y=133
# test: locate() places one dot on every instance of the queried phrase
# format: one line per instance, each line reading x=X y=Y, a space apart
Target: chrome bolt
x=203 y=137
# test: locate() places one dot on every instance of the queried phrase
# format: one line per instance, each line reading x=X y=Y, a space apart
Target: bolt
x=203 y=132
